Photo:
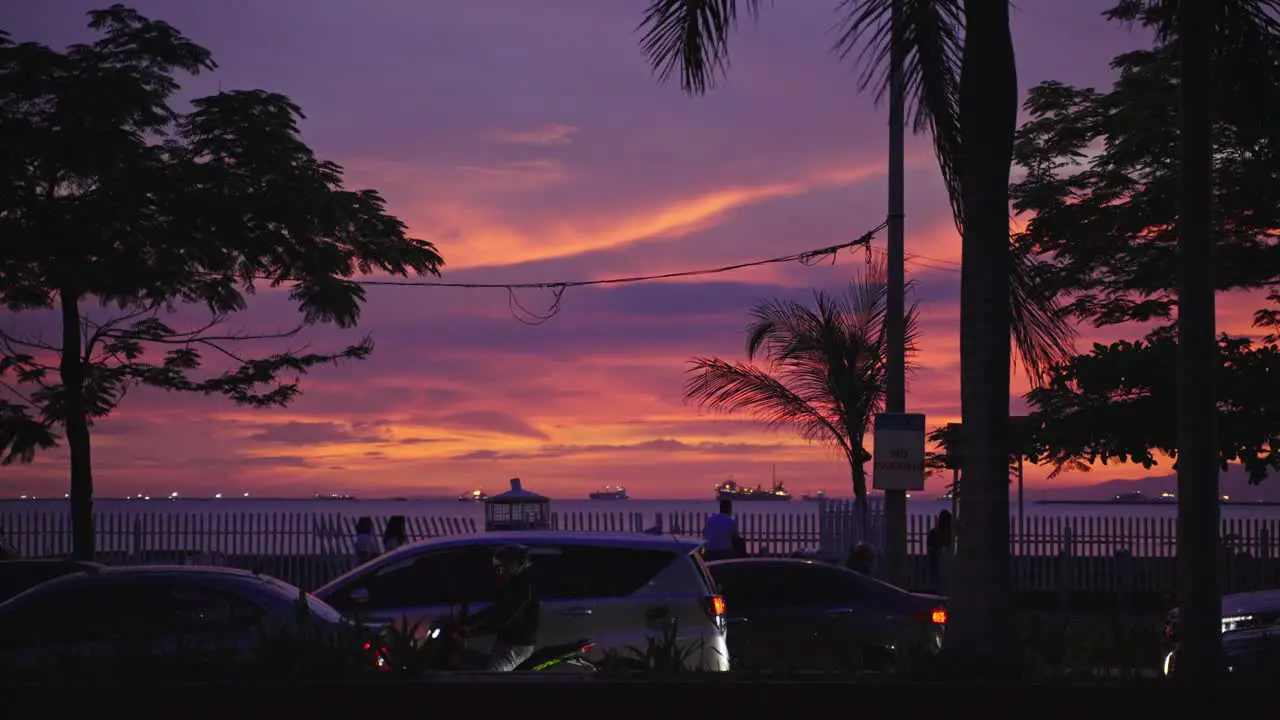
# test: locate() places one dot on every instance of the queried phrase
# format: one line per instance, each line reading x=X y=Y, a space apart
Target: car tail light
x=715 y=606
x=938 y=616
x=379 y=655
x=587 y=648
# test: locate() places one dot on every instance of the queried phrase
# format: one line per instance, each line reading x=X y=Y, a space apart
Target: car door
x=562 y=575
x=856 y=626
x=773 y=624
x=629 y=611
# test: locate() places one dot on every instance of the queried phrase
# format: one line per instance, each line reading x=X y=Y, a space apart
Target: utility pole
x=895 y=501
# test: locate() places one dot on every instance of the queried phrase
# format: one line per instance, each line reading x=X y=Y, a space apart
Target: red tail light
x=587 y=648
x=715 y=606
x=938 y=616
x=379 y=655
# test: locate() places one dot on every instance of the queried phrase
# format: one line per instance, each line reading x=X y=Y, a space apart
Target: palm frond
x=730 y=388
x=1042 y=337
x=690 y=38
x=932 y=42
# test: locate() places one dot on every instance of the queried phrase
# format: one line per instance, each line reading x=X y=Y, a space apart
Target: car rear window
x=318 y=607
x=18 y=576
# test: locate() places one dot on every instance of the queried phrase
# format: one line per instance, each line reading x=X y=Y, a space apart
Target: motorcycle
x=444 y=649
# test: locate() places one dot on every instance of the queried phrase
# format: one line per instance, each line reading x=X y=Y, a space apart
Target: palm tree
x=818 y=369
x=960 y=77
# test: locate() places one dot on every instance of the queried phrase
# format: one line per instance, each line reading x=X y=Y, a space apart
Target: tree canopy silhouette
x=112 y=198
x=1105 y=230
x=1104 y=221
x=1116 y=403
x=821 y=368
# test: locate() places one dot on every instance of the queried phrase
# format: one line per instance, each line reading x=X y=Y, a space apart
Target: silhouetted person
x=721 y=535
x=366 y=543
x=862 y=559
x=938 y=550
x=513 y=619
x=396 y=533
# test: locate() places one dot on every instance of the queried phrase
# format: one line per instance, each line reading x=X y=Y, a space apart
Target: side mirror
x=360 y=596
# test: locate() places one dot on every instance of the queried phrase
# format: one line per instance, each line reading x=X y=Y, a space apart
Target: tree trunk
x=1200 y=607
x=980 y=636
x=859 y=472
x=76 y=421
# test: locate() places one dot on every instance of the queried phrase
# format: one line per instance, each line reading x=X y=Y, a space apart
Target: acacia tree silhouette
x=109 y=196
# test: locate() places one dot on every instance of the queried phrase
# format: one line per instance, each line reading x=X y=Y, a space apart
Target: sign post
x=898 y=460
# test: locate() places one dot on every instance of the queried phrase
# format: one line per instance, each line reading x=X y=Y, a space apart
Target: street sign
x=898 y=461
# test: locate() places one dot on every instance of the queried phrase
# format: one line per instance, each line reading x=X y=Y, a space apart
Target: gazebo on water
x=517 y=509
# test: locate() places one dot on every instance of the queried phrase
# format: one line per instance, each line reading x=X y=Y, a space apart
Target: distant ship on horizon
x=334 y=496
x=610 y=493
x=473 y=496
x=820 y=495
x=730 y=490
x=1137 y=497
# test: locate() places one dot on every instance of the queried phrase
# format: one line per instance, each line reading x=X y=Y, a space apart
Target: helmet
x=511 y=559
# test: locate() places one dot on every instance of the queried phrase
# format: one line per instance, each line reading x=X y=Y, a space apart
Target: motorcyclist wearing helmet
x=513 y=618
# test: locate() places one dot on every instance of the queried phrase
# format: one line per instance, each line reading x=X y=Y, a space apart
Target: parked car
x=1250 y=631
x=620 y=590
x=790 y=614
x=152 y=612
x=17 y=576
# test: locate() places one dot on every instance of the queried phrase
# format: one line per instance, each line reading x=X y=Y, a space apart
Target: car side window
x=772 y=587
x=66 y=615
x=571 y=572
x=443 y=577
x=35 y=621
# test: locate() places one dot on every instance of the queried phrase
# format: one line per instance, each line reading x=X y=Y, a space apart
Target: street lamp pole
x=895 y=501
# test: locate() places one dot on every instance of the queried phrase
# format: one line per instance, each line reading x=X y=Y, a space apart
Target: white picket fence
x=309 y=548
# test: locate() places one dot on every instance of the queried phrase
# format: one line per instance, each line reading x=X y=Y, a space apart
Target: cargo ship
x=609 y=493
x=473 y=496
x=730 y=490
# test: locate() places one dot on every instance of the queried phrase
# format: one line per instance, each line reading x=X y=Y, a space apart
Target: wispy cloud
x=542 y=136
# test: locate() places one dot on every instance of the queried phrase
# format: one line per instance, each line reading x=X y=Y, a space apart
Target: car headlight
x=1236 y=622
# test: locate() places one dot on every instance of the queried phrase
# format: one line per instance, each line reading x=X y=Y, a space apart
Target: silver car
x=620 y=591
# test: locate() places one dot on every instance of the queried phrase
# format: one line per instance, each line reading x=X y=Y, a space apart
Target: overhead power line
x=531 y=317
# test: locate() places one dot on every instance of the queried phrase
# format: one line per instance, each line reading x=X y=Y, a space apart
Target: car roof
x=1250 y=602
x=639 y=541
x=188 y=570
x=799 y=562
x=631 y=541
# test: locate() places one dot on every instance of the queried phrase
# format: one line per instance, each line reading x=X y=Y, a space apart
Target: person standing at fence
x=938 y=550
x=862 y=559
x=396 y=533
x=721 y=534
x=366 y=542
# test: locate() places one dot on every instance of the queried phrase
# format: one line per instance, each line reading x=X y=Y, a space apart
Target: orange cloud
x=552 y=134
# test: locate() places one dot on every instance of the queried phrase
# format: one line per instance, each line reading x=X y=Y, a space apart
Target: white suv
x=618 y=590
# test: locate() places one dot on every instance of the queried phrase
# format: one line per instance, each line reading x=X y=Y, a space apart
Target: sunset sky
x=529 y=141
